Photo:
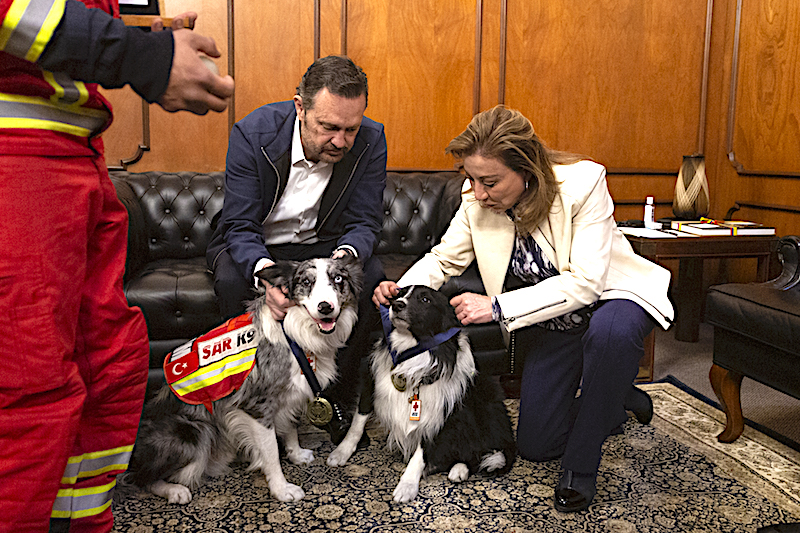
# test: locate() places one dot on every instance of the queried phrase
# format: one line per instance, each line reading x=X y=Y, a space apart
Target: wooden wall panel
x=330 y=27
x=617 y=80
x=274 y=47
x=178 y=141
x=419 y=59
x=761 y=136
x=490 y=53
x=767 y=117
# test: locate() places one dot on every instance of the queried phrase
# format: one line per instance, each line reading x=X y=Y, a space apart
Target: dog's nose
x=325 y=308
x=398 y=305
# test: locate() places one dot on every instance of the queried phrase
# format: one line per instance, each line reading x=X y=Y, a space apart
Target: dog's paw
x=341 y=454
x=459 y=473
x=405 y=491
x=173 y=492
x=287 y=492
x=300 y=456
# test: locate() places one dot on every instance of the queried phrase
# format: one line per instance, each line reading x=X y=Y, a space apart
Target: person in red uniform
x=73 y=355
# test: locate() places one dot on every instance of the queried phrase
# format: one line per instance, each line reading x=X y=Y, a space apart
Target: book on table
x=707 y=226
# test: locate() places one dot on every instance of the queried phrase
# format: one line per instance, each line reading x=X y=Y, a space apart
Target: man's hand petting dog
x=276 y=300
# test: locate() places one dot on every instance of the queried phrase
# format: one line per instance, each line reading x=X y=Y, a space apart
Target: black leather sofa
x=170 y=226
x=757 y=335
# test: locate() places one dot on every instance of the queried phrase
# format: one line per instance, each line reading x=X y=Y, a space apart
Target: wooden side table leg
x=727 y=386
x=687 y=293
x=646 y=363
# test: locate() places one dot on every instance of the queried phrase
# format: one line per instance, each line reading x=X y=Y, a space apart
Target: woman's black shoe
x=574 y=492
x=640 y=404
x=570 y=501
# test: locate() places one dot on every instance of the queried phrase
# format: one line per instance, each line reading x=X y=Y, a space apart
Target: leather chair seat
x=757 y=311
x=756 y=335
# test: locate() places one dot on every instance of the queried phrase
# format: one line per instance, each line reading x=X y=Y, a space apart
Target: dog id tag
x=320 y=411
x=399 y=382
x=416 y=408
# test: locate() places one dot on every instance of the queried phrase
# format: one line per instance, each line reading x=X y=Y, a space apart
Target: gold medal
x=320 y=411
x=399 y=382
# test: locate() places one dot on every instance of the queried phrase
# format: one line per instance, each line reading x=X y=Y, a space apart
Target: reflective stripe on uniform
x=215 y=373
x=80 y=503
x=29 y=26
x=89 y=501
x=67 y=90
x=32 y=112
x=96 y=463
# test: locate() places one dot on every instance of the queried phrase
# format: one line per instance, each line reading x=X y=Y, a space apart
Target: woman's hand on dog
x=276 y=300
x=384 y=292
x=472 y=308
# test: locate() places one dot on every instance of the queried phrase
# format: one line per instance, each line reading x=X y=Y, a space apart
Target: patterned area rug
x=671 y=476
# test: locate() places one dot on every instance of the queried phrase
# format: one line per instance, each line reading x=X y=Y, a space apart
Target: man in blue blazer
x=304 y=178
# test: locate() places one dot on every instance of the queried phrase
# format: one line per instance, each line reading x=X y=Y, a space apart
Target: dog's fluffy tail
x=499 y=462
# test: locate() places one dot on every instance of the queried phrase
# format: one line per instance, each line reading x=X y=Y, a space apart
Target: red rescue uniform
x=73 y=354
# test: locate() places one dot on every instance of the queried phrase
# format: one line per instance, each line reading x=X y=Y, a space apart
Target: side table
x=687 y=289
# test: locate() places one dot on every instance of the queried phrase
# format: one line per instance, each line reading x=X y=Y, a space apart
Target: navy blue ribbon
x=305 y=366
x=424 y=345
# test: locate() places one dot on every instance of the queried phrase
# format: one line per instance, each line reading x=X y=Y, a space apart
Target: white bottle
x=649 y=215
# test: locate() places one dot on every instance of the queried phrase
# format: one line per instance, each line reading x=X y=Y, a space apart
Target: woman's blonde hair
x=506 y=135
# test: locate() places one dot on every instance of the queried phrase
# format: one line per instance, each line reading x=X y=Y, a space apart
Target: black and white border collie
x=447 y=417
x=179 y=443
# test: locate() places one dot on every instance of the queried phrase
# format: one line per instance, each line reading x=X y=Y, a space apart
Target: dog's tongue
x=325 y=324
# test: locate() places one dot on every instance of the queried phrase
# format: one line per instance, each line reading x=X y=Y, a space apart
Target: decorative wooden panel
x=419 y=59
x=178 y=141
x=274 y=47
x=766 y=116
x=617 y=80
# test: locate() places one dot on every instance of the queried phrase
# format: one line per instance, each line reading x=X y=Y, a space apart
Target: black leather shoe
x=640 y=404
x=570 y=501
x=574 y=492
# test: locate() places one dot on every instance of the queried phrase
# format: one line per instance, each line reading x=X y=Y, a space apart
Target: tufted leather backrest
x=417 y=208
x=177 y=208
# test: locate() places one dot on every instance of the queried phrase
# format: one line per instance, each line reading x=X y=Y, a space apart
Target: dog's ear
x=279 y=274
x=449 y=318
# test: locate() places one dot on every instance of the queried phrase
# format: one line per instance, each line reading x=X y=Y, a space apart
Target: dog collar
x=428 y=343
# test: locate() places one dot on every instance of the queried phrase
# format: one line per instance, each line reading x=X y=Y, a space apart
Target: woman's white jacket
x=579 y=237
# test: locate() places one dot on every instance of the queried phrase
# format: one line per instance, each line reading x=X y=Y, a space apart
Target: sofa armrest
x=137 y=231
x=789 y=256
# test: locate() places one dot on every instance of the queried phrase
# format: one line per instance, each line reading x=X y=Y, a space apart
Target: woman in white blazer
x=562 y=279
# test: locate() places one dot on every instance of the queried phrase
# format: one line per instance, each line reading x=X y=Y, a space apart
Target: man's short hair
x=338 y=74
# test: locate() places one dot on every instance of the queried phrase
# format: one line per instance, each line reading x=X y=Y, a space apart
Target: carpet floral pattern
x=670 y=476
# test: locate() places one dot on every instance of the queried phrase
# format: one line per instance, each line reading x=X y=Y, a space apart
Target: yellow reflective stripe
x=46 y=33
x=10 y=23
x=35 y=124
x=18 y=111
x=96 y=463
x=65 y=89
x=215 y=373
x=29 y=26
x=80 y=503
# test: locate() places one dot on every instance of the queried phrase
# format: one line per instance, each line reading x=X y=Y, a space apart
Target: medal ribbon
x=305 y=366
x=424 y=345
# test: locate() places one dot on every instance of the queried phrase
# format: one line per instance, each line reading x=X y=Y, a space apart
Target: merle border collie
x=178 y=443
x=439 y=411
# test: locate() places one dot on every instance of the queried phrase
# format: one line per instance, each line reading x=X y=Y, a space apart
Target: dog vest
x=214 y=365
